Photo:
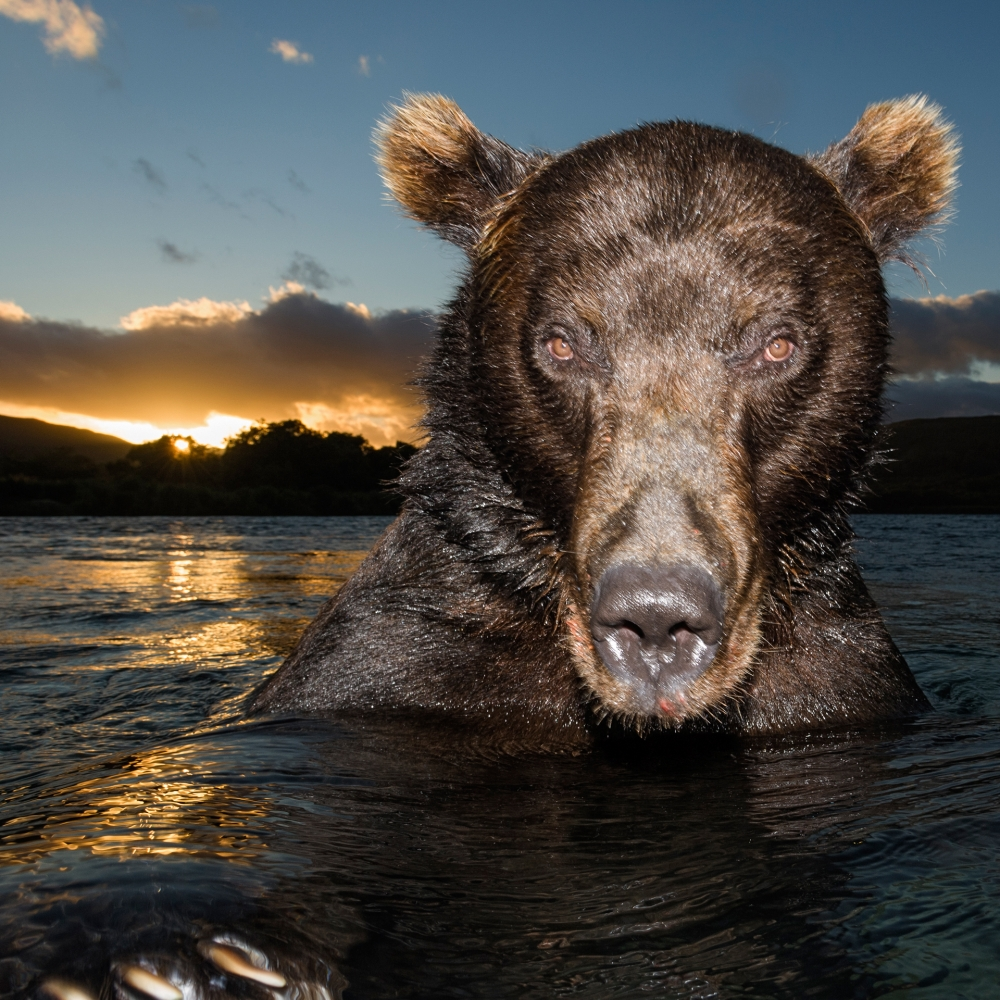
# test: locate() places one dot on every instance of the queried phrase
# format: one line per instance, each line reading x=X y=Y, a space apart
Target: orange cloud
x=337 y=367
x=185 y=312
x=67 y=27
x=12 y=312
x=289 y=51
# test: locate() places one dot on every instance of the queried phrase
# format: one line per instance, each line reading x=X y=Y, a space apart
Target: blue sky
x=188 y=159
x=193 y=91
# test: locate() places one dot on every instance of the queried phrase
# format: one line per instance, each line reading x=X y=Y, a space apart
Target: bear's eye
x=780 y=349
x=559 y=348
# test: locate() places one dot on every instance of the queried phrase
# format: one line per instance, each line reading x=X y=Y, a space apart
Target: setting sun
x=181 y=445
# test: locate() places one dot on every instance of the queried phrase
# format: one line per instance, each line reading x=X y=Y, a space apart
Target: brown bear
x=652 y=406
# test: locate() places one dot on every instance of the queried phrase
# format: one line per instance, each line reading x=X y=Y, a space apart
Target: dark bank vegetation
x=268 y=469
x=950 y=465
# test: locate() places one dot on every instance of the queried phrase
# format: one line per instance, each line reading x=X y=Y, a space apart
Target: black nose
x=657 y=628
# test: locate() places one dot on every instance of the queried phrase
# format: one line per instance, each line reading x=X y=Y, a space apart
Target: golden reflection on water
x=168 y=800
x=186 y=575
x=179 y=578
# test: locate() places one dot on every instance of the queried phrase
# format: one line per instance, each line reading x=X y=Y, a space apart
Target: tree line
x=944 y=465
x=282 y=467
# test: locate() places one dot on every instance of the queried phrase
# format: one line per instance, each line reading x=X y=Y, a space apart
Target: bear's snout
x=657 y=629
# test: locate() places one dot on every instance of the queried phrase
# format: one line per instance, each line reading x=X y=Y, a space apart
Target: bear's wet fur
x=653 y=403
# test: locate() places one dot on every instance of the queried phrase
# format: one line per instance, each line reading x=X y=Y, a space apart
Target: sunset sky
x=195 y=235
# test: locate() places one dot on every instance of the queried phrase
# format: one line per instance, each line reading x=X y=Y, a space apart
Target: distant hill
x=28 y=439
x=947 y=465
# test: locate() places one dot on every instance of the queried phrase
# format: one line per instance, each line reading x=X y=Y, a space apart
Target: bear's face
x=677 y=339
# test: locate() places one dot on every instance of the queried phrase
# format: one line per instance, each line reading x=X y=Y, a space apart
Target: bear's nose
x=657 y=628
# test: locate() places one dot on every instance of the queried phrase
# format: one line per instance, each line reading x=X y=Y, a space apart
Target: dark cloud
x=173 y=255
x=146 y=170
x=298 y=349
x=177 y=364
x=945 y=335
x=946 y=397
x=308 y=271
x=298 y=183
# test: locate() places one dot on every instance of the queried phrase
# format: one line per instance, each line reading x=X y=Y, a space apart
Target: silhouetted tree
x=163 y=461
x=289 y=455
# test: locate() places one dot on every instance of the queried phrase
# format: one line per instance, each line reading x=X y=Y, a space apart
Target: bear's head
x=675 y=342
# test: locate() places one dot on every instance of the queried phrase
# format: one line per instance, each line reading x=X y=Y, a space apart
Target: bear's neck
x=457 y=482
x=827 y=659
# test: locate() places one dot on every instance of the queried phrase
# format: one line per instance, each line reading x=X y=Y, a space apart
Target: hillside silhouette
x=268 y=469
x=24 y=437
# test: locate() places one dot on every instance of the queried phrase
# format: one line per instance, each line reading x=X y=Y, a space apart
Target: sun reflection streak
x=179 y=578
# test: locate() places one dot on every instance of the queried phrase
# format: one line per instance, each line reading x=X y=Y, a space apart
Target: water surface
x=140 y=813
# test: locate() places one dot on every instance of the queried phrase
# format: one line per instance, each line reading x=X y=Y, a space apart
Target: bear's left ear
x=443 y=170
x=896 y=170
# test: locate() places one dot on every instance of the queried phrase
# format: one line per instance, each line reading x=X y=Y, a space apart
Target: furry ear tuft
x=896 y=169
x=443 y=170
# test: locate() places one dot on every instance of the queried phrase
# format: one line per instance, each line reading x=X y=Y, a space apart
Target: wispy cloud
x=289 y=51
x=364 y=66
x=195 y=158
x=66 y=27
x=218 y=198
x=298 y=183
x=174 y=255
x=307 y=271
x=256 y=194
x=149 y=173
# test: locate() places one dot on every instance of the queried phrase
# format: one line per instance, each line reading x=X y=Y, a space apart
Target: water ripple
x=138 y=809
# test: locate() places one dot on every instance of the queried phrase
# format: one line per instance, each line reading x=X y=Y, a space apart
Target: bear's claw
x=241 y=960
x=60 y=989
x=147 y=984
x=222 y=966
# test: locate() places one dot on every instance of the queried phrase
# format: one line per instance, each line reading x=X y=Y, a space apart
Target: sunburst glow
x=213 y=432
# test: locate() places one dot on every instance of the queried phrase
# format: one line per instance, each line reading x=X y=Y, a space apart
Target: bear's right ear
x=896 y=169
x=443 y=170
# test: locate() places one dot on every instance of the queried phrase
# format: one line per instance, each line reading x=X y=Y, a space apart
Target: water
x=140 y=813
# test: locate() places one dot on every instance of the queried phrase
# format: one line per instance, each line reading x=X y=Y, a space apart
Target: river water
x=140 y=814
